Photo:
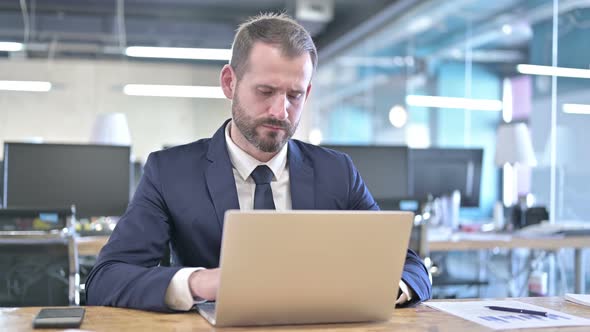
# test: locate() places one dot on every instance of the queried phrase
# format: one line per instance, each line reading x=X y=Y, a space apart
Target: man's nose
x=279 y=106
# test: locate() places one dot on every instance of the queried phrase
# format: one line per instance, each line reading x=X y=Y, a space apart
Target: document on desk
x=477 y=312
x=583 y=299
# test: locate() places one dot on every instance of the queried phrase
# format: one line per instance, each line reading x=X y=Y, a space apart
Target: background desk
x=578 y=243
x=420 y=318
x=91 y=245
x=508 y=242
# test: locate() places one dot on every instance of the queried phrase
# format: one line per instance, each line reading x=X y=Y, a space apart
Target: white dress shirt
x=178 y=295
x=243 y=165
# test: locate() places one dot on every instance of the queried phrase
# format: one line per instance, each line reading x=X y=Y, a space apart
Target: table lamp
x=515 y=148
x=111 y=129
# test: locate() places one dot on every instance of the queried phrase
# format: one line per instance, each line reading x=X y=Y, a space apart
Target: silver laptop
x=304 y=267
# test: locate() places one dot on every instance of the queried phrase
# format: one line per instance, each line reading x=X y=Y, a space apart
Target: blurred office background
x=495 y=90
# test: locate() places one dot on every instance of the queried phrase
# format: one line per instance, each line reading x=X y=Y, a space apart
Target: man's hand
x=405 y=293
x=403 y=298
x=204 y=283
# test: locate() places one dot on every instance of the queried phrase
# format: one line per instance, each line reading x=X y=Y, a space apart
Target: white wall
x=83 y=89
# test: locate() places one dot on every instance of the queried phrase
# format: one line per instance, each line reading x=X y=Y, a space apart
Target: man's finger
x=401 y=299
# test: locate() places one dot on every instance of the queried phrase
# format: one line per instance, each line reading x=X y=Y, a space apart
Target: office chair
x=37 y=267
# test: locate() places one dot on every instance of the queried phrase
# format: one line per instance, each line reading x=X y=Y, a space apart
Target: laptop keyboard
x=208 y=308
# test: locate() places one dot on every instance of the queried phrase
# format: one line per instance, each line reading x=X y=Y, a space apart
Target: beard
x=272 y=141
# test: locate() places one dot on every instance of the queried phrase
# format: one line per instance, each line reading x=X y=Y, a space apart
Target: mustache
x=275 y=123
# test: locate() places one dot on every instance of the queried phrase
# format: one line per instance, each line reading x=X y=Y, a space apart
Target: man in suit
x=185 y=191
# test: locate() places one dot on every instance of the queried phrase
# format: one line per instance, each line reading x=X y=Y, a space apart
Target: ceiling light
x=179 y=53
x=315 y=136
x=398 y=116
x=576 y=108
x=10 y=47
x=32 y=86
x=420 y=24
x=450 y=102
x=398 y=61
x=456 y=53
x=553 y=71
x=184 y=91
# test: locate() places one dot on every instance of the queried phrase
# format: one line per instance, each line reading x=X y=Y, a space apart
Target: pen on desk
x=517 y=310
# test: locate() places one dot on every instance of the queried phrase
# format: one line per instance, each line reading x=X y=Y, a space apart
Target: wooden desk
x=90 y=245
x=578 y=243
x=420 y=318
x=509 y=242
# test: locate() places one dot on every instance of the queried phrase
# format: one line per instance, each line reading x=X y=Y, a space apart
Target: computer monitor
x=95 y=178
x=439 y=171
x=137 y=170
x=1 y=183
x=383 y=168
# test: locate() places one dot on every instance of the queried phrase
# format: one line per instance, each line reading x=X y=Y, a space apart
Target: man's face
x=269 y=97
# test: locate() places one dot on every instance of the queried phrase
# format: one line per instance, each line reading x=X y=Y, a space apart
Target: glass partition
x=448 y=74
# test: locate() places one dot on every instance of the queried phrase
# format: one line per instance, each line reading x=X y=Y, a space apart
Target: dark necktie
x=262 y=175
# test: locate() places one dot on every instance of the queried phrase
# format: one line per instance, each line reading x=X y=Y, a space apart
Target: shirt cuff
x=178 y=294
x=406 y=290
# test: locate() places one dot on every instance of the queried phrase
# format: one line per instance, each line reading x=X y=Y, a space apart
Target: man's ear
x=308 y=91
x=228 y=81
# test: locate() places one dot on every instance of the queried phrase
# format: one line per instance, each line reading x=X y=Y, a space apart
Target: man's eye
x=266 y=92
x=296 y=96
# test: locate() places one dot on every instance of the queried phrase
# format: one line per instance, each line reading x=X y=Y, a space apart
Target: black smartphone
x=59 y=318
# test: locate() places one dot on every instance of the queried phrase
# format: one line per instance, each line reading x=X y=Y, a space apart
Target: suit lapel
x=301 y=178
x=220 y=176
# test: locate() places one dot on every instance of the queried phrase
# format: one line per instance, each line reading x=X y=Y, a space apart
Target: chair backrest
x=38 y=259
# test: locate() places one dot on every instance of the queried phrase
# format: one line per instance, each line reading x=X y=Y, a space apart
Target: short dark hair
x=271 y=28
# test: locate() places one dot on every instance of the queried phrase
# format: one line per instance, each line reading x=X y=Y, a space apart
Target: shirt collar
x=245 y=163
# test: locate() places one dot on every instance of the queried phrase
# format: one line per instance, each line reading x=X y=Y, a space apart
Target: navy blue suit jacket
x=181 y=200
